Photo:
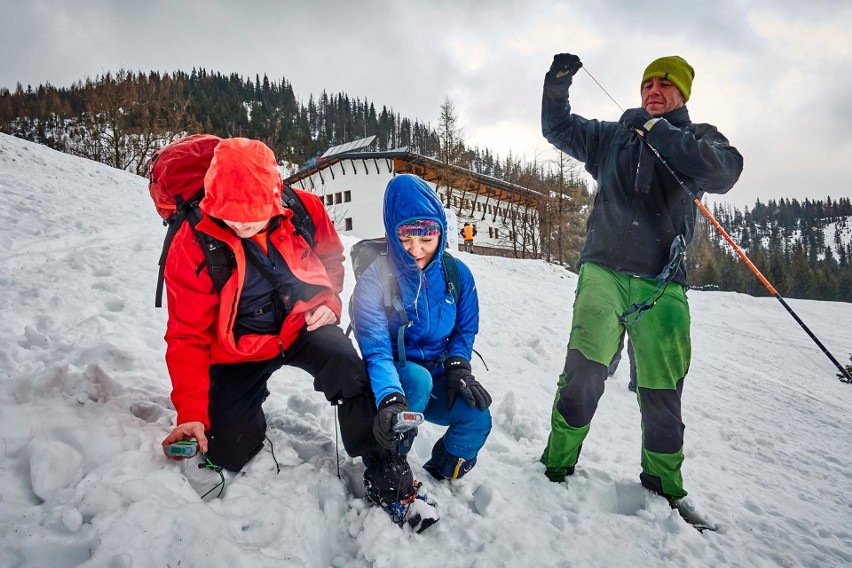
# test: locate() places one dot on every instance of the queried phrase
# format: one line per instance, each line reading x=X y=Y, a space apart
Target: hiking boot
x=444 y=465
x=690 y=512
x=417 y=510
x=387 y=477
x=559 y=474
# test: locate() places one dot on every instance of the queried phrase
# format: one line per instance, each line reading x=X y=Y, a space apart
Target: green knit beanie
x=673 y=68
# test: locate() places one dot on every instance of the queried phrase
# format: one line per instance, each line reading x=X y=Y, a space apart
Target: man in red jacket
x=280 y=306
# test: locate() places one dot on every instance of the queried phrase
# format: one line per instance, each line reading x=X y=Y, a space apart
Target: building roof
x=402 y=161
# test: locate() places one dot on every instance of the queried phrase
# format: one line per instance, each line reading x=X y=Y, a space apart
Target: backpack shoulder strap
x=173 y=223
x=390 y=287
x=218 y=258
x=451 y=273
x=302 y=221
x=393 y=302
x=216 y=253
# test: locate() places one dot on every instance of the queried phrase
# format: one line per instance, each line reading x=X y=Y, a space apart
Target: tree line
x=121 y=118
x=802 y=248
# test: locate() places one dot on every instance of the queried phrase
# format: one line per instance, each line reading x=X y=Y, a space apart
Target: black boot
x=444 y=465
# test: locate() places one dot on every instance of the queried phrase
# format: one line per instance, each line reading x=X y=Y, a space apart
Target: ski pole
x=746 y=260
x=734 y=245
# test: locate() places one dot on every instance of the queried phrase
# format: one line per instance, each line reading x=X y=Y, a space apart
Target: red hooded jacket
x=243 y=185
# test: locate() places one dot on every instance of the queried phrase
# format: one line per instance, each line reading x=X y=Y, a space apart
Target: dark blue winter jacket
x=439 y=327
x=632 y=231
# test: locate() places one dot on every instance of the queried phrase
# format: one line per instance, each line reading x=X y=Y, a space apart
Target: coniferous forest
x=802 y=248
x=121 y=118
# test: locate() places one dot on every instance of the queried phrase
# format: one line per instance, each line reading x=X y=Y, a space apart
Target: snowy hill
x=84 y=406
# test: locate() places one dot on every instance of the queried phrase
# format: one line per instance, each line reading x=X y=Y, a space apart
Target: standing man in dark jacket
x=637 y=231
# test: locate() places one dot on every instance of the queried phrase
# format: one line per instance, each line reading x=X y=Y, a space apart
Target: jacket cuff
x=393 y=398
x=556 y=90
x=193 y=415
x=454 y=363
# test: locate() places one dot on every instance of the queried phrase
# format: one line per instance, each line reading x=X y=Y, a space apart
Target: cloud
x=772 y=75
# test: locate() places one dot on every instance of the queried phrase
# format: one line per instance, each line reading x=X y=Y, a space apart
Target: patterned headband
x=419 y=228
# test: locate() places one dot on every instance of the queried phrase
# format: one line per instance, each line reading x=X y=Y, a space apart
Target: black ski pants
x=237 y=392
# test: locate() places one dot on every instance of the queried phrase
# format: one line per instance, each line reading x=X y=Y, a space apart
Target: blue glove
x=461 y=382
x=638 y=120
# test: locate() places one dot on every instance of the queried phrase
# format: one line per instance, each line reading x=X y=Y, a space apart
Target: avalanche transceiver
x=405 y=421
x=182 y=449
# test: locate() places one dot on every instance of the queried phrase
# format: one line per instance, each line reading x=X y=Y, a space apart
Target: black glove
x=383 y=430
x=635 y=119
x=562 y=70
x=564 y=66
x=461 y=382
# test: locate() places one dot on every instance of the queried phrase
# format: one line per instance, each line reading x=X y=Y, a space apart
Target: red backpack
x=176 y=172
x=176 y=183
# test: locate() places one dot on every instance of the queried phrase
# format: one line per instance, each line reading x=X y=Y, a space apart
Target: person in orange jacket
x=281 y=306
x=467 y=233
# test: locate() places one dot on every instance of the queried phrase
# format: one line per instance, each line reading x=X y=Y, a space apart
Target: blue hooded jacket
x=439 y=327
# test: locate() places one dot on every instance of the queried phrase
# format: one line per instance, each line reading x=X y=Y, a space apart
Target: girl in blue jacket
x=434 y=376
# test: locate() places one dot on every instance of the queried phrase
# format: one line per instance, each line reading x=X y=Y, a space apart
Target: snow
x=84 y=405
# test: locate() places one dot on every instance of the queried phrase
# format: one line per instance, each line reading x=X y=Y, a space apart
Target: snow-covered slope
x=84 y=405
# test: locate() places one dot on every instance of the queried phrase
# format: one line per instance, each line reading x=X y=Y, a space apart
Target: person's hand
x=635 y=119
x=461 y=382
x=564 y=66
x=186 y=431
x=320 y=316
x=383 y=430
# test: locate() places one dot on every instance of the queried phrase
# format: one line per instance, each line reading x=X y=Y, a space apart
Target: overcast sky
x=774 y=76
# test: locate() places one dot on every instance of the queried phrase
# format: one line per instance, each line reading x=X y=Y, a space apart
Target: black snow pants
x=237 y=392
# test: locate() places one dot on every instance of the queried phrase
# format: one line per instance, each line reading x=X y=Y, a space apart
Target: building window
x=329 y=199
x=490 y=232
x=338 y=198
x=347 y=224
x=347 y=196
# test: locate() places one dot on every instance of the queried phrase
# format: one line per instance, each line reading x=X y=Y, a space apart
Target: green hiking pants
x=661 y=347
